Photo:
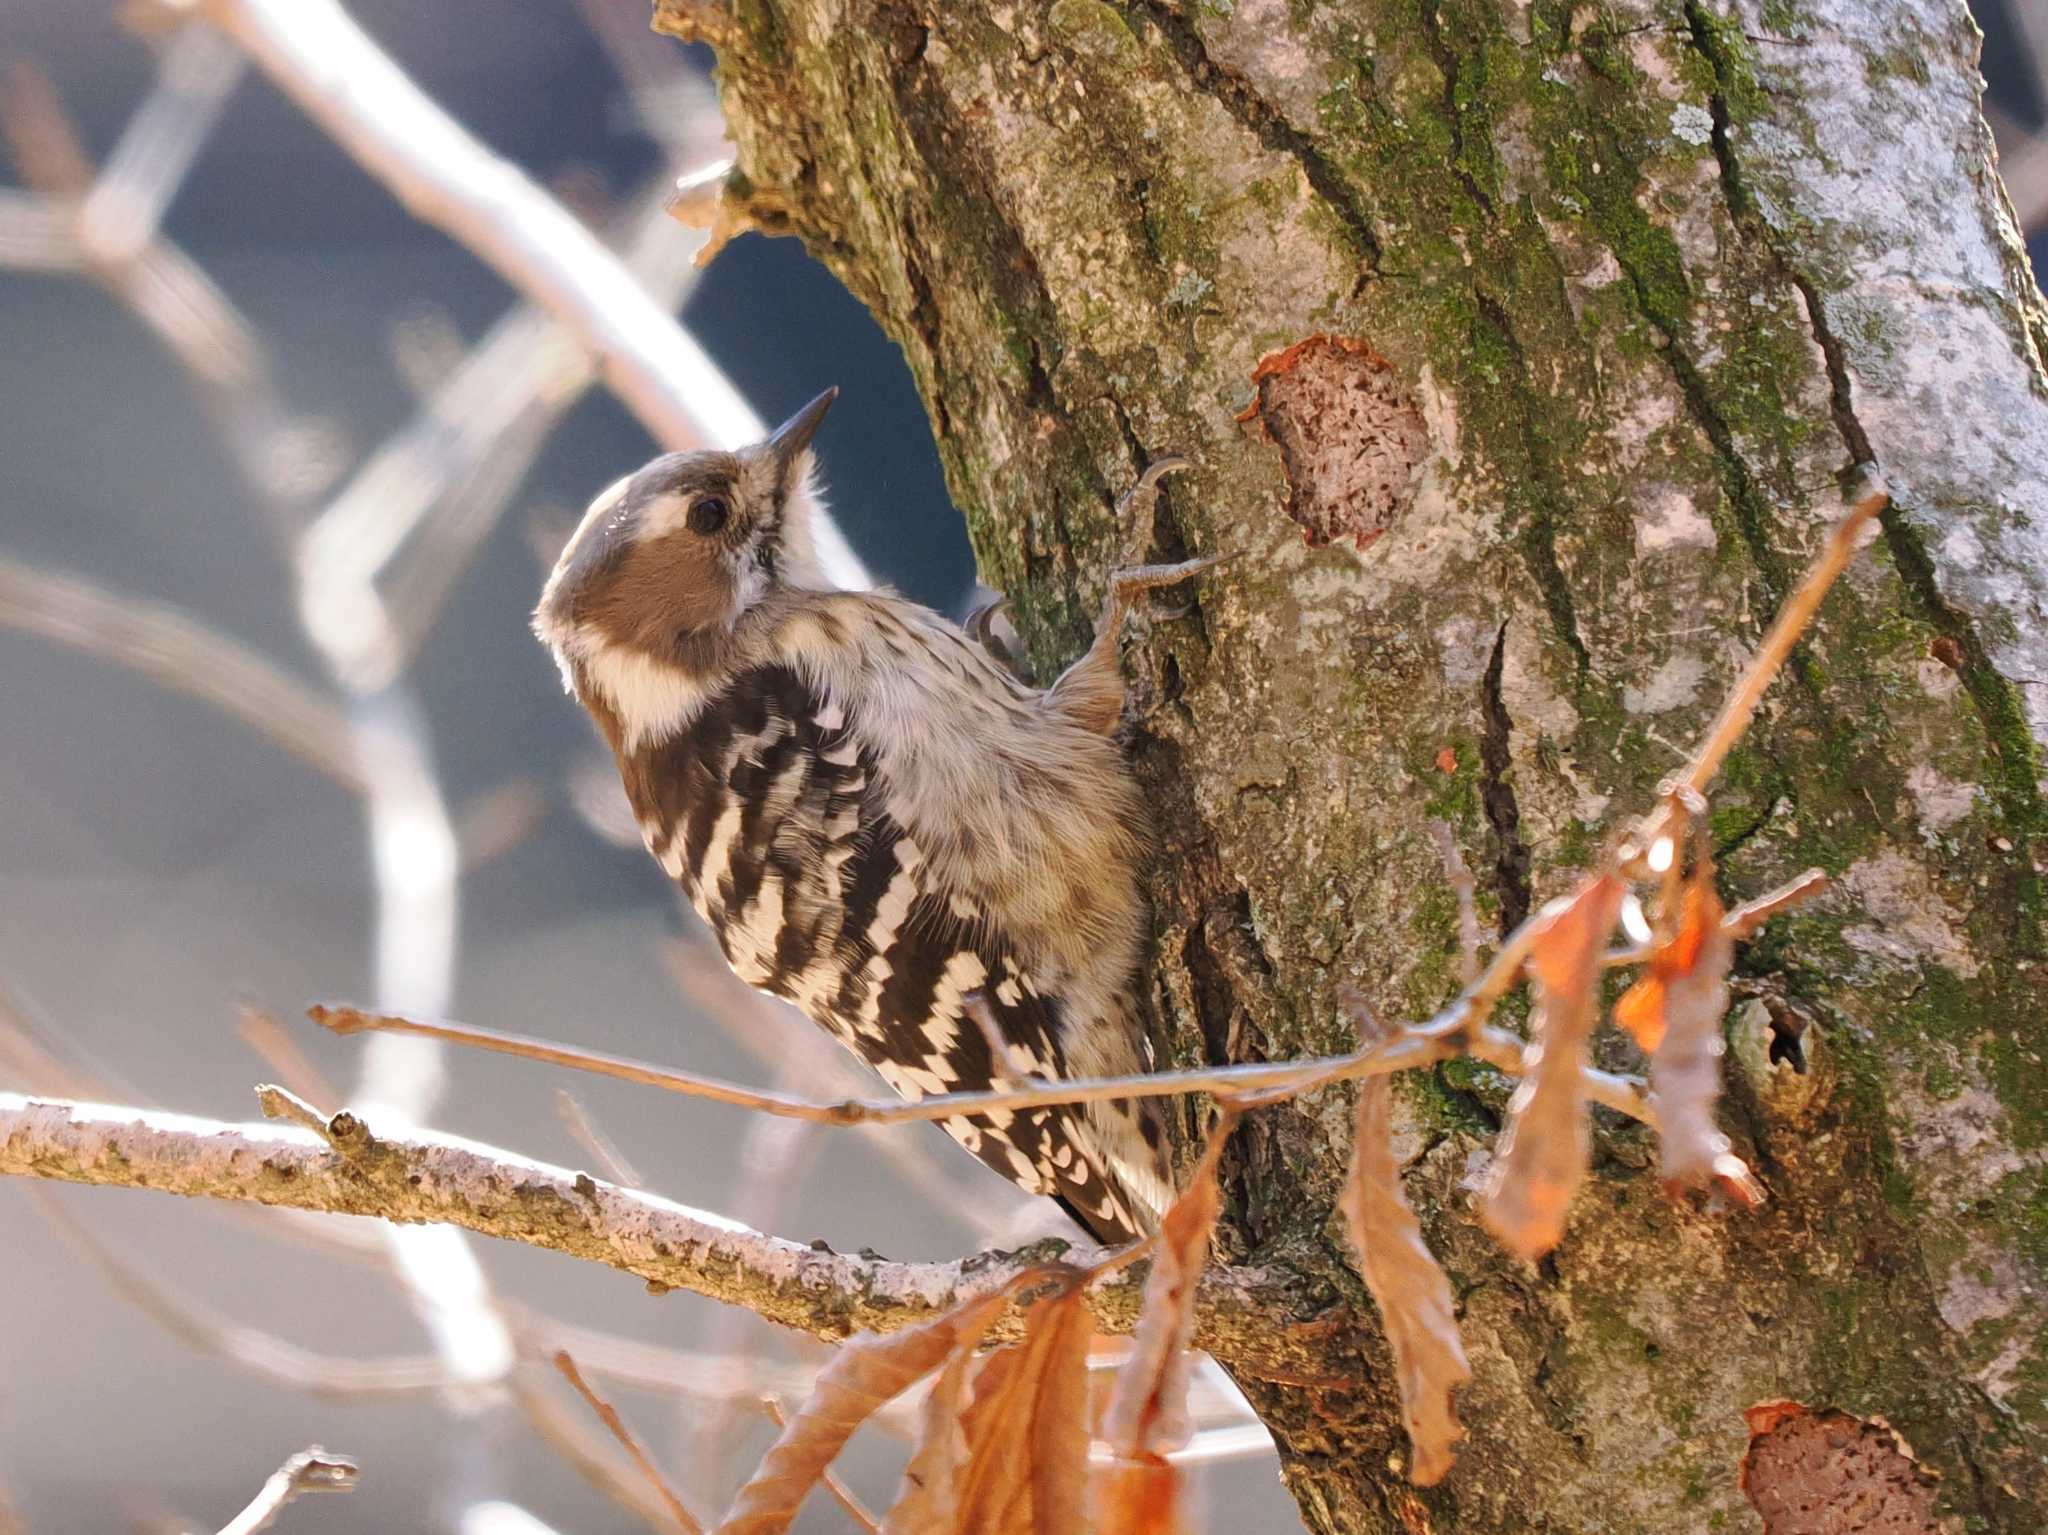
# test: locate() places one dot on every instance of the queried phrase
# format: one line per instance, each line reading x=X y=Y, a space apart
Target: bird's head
x=668 y=560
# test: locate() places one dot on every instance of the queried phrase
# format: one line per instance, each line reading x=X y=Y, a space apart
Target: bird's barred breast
x=767 y=811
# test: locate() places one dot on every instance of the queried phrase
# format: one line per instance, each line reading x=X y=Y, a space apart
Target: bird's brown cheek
x=665 y=594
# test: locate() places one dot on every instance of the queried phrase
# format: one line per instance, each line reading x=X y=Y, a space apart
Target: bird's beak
x=795 y=434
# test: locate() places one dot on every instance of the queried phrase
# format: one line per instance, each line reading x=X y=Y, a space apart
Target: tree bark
x=1612 y=295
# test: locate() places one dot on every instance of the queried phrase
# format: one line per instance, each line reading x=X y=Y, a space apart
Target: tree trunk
x=1513 y=340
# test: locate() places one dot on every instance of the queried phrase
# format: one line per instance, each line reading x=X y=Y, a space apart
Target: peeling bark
x=1651 y=274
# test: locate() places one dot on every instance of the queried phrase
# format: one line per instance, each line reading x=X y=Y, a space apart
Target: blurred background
x=163 y=866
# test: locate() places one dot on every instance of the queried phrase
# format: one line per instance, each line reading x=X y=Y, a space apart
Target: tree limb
x=311 y=1470
x=420 y=1177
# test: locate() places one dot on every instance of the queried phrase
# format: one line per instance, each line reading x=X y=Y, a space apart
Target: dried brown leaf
x=1138 y=1497
x=1543 y=1150
x=1027 y=1429
x=1148 y=1412
x=928 y=1503
x=1641 y=1010
x=993 y=1489
x=1059 y=1431
x=867 y=1372
x=1411 y=1290
x=1685 y=1068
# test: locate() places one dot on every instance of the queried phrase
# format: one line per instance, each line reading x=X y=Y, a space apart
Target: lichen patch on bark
x=1351 y=439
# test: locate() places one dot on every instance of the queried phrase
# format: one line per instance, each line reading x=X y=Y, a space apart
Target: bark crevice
x=1237 y=96
x=1497 y=794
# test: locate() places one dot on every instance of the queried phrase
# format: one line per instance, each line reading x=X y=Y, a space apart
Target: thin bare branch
x=497 y=821
x=197 y=71
x=247 y=1348
x=316 y=54
x=680 y=1373
x=1745 y=919
x=587 y=1452
x=776 y=1035
x=582 y=1129
x=608 y=1415
x=1842 y=542
x=1459 y=874
x=427 y=1178
x=1445 y=1036
x=182 y=654
x=35 y=235
x=262 y=1033
x=311 y=1470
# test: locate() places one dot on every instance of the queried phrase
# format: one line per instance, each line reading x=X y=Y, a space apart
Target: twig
x=588 y=1453
x=1740 y=923
x=1403 y=1052
x=282 y=1103
x=196 y=73
x=420 y=1177
x=34 y=236
x=311 y=1470
x=259 y=1353
x=497 y=821
x=842 y=1494
x=582 y=1129
x=1763 y=667
x=776 y=1035
x=317 y=56
x=681 y=1373
x=609 y=1416
x=261 y=1032
x=182 y=654
x=1745 y=919
x=1459 y=874
x=1625 y=1095
x=1439 y=1039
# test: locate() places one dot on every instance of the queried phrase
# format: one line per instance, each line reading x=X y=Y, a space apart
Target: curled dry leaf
x=867 y=1372
x=1059 y=1430
x=1139 y=1497
x=1411 y=1290
x=1148 y=1411
x=1681 y=1003
x=928 y=1502
x=1027 y=1429
x=1139 y=1493
x=1543 y=1150
x=1642 y=1008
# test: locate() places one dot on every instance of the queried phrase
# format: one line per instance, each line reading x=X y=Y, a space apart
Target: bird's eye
x=708 y=514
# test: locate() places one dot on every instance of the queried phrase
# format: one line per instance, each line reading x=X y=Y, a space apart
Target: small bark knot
x=1352 y=442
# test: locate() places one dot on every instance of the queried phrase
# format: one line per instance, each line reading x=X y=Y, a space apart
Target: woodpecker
x=880 y=824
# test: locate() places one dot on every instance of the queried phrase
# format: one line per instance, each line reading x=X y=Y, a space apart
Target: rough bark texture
x=1614 y=293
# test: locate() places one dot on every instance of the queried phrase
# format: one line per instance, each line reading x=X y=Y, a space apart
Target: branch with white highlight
x=344 y=1167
